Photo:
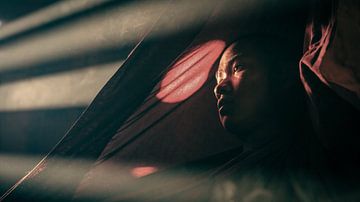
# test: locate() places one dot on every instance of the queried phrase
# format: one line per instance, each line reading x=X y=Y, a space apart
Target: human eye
x=237 y=68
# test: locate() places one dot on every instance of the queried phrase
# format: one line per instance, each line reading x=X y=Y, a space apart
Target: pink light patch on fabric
x=143 y=171
x=190 y=72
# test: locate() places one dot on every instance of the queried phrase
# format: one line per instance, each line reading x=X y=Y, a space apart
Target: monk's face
x=243 y=90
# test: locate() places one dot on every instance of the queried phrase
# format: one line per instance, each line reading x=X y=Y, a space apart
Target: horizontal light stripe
x=68 y=89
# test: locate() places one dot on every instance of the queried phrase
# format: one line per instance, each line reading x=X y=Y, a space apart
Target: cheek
x=250 y=93
x=238 y=79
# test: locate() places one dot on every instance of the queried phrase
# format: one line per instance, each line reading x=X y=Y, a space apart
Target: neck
x=277 y=135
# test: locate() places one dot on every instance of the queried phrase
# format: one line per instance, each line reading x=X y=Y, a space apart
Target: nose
x=222 y=88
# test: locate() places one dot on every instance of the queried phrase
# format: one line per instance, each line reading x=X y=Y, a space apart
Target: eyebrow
x=234 y=57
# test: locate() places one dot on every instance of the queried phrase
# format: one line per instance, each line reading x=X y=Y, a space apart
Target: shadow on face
x=257 y=82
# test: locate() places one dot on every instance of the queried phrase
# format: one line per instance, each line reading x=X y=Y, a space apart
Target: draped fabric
x=330 y=74
x=331 y=47
x=158 y=111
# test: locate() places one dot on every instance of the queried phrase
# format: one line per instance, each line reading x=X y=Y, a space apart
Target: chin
x=235 y=127
x=229 y=124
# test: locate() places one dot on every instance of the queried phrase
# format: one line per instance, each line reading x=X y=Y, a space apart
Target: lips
x=224 y=106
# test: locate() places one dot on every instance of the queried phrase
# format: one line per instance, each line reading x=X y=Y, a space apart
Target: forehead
x=244 y=51
x=229 y=55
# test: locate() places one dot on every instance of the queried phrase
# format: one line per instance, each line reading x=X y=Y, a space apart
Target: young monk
x=261 y=100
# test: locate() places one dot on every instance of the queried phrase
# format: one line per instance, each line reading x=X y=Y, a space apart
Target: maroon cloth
x=136 y=127
x=330 y=74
